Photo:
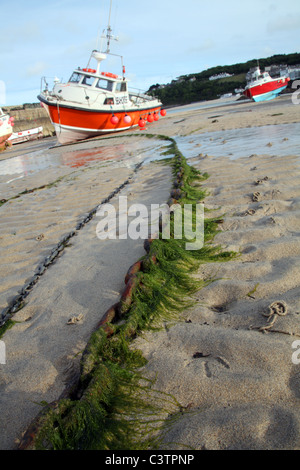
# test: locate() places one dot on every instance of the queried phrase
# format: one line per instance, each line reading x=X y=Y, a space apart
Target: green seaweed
x=250 y=294
x=7 y=325
x=114 y=407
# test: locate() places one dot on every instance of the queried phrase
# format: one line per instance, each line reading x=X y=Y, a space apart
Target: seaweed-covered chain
x=108 y=408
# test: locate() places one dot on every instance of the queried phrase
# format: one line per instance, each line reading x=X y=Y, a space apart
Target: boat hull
x=269 y=95
x=73 y=124
x=266 y=91
x=25 y=136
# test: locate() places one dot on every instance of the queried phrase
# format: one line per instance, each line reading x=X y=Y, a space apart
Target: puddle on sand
x=280 y=139
x=128 y=154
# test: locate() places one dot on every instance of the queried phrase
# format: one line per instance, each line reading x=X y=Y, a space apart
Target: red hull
x=86 y=120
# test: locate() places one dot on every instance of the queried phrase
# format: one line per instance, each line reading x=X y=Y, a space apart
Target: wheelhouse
x=107 y=82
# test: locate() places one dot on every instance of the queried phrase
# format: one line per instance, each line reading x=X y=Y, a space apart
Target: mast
x=109 y=35
x=99 y=56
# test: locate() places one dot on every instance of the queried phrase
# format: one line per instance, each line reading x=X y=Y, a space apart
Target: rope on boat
x=58 y=112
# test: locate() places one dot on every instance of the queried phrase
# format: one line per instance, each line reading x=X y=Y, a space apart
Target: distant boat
x=226 y=95
x=6 y=124
x=262 y=87
x=24 y=136
x=94 y=102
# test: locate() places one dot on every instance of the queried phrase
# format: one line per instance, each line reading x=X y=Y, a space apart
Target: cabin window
x=88 y=80
x=105 y=84
x=109 y=101
x=121 y=86
x=75 y=78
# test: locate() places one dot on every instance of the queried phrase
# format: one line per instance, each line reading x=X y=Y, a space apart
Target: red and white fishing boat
x=25 y=136
x=6 y=125
x=262 y=87
x=95 y=102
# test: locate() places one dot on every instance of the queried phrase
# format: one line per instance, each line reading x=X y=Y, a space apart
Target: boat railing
x=137 y=95
x=47 y=84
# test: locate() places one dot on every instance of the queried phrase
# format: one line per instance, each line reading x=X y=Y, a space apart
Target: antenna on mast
x=109 y=35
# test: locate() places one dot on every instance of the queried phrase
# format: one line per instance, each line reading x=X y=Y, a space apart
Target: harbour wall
x=30 y=116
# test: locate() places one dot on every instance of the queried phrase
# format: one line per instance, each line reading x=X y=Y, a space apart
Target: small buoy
x=12 y=123
x=163 y=112
x=114 y=119
x=12 y=119
x=127 y=119
x=156 y=116
x=1 y=123
x=142 y=122
x=150 y=117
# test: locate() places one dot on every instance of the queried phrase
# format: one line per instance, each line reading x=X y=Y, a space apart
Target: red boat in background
x=262 y=87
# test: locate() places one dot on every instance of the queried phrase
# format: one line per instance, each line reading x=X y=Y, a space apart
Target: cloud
x=284 y=23
x=36 y=69
x=267 y=51
x=206 y=45
x=29 y=32
x=79 y=50
x=20 y=36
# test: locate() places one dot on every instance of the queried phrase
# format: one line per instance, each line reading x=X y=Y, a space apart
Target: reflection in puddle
x=128 y=155
x=78 y=158
x=29 y=163
x=282 y=139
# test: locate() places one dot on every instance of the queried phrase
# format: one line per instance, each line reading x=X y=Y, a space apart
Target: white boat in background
x=95 y=102
x=6 y=128
x=24 y=136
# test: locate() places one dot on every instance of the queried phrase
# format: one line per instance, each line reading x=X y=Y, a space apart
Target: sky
x=159 y=39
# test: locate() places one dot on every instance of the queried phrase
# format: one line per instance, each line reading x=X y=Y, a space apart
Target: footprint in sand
x=256 y=197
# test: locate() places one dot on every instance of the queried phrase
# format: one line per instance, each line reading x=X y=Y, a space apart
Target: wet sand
x=235 y=377
x=229 y=361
